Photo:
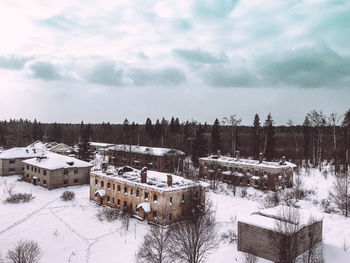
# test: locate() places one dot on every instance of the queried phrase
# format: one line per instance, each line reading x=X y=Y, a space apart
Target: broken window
x=118 y=202
x=108 y=199
x=137 y=193
x=44 y=181
x=75 y=181
x=118 y=188
x=146 y=196
x=113 y=187
x=65 y=181
x=75 y=171
x=171 y=200
x=155 y=198
x=96 y=182
x=65 y=171
x=108 y=185
x=44 y=172
x=131 y=191
x=102 y=183
x=125 y=190
x=154 y=214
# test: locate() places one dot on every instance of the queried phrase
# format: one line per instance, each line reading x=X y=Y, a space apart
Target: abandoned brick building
x=148 y=195
x=279 y=234
x=259 y=174
x=157 y=159
x=52 y=170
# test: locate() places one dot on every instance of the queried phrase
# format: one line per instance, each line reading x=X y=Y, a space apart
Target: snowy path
x=28 y=216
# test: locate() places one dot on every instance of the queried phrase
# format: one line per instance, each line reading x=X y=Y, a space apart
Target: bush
x=270 y=200
x=108 y=214
x=25 y=252
x=19 y=198
x=67 y=196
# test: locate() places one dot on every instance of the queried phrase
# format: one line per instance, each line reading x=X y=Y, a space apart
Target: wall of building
x=56 y=178
x=269 y=178
x=162 y=206
x=11 y=167
x=266 y=243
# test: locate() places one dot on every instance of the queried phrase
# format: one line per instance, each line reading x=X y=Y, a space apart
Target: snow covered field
x=70 y=232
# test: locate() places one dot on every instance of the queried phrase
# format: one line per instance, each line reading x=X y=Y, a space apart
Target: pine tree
x=307 y=137
x=346 y=127
x=256 y=136
x=149 y=130
x=215 y=137
x=157 y=131
x=200 y=146
x=269 y=138
x=84 y=145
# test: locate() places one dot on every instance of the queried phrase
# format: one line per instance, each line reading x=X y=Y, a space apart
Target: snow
x=101 y=192
x=100 y=144
x=145 y=150
x=53 y=161
x=155 y=180
x=247 y=162
x=21 y=153
x=145 y=206
x=70 y=231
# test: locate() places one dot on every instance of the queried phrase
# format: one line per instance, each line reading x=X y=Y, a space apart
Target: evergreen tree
x=269 y=138
x=256 y=136
x=57 y=132
x=84 y=145
x=149 y=130
x=307 y=137
x=346 y=127
x=200 y=146
x=126 y=129
x=35 y=131
x=157 y=131
x=215 y=137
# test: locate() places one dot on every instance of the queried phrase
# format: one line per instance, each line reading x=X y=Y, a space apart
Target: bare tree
x=155 y=247
x=27 y=251
x=287 y=226
x=233 y=121
x=194 y=238
x=340 y=194
x=333 y=122
x=318 y=122
x=250 y=258
x=291 y=125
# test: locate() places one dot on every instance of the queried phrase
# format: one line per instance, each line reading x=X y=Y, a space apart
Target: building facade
x=148 y=195
x=11 y=159
x=245 y=172
x=157 y=159
x=55 y=170
x=279 y=234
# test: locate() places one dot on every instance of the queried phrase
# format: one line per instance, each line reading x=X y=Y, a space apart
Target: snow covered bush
x=108 y=214
x=270 y=200
x=27 y=251
x=19 y=198
x=67 y=196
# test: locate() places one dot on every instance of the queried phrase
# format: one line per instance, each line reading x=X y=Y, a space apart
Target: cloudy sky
x=109 y=60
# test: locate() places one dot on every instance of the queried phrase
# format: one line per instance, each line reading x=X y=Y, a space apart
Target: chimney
x=144 y=175
x=237 y=155
x=170 y=180
x=260 y=157
x=283 y=160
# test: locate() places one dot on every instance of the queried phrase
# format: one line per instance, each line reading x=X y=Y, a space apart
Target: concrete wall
x=162 y=206
x=56 y=178
x=266 y=243
x=269 y=178
x=7 y=167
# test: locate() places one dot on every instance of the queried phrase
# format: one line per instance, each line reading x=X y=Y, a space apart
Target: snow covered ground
x=70 y=232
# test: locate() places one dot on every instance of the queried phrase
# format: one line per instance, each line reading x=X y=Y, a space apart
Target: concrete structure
x=157 y=159
x=279 y=234
x=100 y=147
x=158 y=197
x=53 y=170
x=255 y=173
x=55 y=147
x=11 y=159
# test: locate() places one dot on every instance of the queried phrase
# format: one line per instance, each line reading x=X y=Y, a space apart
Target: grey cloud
x=159 y=76
x=12 y=62
x=197 y=55
x=105 y=73
x=45 y=70
x=214 y=8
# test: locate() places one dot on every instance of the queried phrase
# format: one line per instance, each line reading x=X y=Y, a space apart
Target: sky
x=196 y=59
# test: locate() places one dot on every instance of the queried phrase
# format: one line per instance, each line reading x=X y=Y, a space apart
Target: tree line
x=320 y=137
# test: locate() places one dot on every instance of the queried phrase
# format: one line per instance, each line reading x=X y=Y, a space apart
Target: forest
x=320 y=137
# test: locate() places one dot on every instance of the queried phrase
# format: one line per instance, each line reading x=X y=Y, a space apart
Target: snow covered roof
x=54 y=161
x=247 y=162
x=21 y=153
x=101 y=144
x=145 y=206
x=101 y=192
x=155 y=180
x=145 y=150
x=269 y=218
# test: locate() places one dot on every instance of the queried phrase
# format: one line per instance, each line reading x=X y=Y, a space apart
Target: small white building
x=52 y=170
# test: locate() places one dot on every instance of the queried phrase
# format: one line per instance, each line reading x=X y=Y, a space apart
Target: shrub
x=108 y=214
x=27 y=251
x=67 y=196
x=270 y=200
x=19 y=198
